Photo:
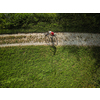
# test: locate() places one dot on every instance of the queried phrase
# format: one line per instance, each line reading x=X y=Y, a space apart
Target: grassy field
x=50 y=67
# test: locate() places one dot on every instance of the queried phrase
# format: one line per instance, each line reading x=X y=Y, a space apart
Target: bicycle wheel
x=55 y=41
x=47 y=39
x=51 y=40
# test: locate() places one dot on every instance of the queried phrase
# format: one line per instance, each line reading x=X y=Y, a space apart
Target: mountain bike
x=51 y=40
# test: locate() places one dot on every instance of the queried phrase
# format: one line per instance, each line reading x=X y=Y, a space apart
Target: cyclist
x=50 y=33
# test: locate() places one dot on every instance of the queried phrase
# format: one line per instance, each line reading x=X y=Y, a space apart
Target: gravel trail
x=25 y=44
x=22 y=44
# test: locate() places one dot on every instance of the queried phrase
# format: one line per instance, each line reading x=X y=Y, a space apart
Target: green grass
x=49 y=67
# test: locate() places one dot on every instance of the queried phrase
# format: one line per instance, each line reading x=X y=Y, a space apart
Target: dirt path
x=25 y=44
x=29 y=39
x=10 y=40
x=22 y=44
x=19 y=34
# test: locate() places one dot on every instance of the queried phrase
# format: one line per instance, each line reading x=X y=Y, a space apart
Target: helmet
x=49 y=31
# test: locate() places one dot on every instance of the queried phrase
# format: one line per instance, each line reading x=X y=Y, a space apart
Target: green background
x=42 y=22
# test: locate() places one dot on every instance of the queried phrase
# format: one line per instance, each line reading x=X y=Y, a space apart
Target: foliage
x=71 y=22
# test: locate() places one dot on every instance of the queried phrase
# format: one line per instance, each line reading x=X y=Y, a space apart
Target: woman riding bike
x=52 y=39
x=50 y=33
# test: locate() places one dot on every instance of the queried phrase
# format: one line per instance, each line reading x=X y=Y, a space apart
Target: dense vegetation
x=42 y=22
x=49 y=67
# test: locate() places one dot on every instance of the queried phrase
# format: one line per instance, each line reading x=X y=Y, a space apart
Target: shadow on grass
x=52 y=45
x=53 y=49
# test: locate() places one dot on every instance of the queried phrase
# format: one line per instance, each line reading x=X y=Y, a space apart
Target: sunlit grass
x=37 y=67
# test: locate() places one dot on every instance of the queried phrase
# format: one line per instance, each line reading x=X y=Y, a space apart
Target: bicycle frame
x=52 y=40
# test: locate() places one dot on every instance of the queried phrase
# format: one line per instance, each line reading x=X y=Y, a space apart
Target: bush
x=41 y=22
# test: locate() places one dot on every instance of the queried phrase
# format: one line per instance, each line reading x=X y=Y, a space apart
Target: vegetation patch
x=50 y=67
x=11 y=23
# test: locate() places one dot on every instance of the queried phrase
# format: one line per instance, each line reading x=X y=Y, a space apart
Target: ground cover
x=49 y=67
